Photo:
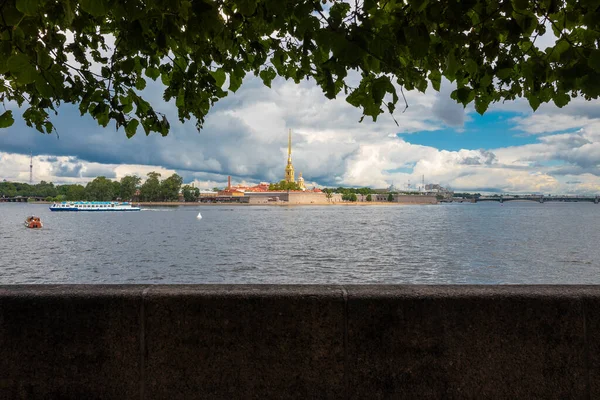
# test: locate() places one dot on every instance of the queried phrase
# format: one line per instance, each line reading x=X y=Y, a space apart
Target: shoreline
x=281 y=204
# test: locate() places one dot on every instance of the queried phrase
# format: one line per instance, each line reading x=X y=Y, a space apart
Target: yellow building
x=301 y=182
x=289 y=168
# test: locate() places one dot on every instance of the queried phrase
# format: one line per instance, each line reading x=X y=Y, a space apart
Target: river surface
x=486 y=243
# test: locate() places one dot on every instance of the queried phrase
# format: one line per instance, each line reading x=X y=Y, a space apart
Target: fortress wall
x=299 y=342
x=410 y=199
x=311 y=198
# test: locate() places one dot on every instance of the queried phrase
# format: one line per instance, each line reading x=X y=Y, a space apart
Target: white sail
x=199 y=216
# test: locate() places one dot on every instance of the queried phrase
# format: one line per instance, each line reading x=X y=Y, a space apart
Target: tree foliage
x=284 y=185
x=199 y=50
x=349 y=197
x=128 y=186
x=190 y=193
x=169 y=188
x=150 y=190
x=100 y=189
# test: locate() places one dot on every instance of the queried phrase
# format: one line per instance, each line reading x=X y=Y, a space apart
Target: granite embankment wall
x=303 y=342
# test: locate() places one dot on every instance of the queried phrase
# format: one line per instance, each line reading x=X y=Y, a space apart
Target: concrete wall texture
x=299 y=342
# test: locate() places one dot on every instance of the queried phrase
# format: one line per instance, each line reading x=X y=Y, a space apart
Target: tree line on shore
x=104 y=189
x=155 y=189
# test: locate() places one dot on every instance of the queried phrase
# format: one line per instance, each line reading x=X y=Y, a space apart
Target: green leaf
x=234 y=82
x=97 y=8
x=379 y=89
x=43 y=88
x=534 y=101
x=246 y=7
x=418 y=5
x=27 y=7
x=464 y=95
x=267 y=75
x=481 y=104
x=504 y=73
x=561 y=99
x=68 y=9
x=140 y=84
x=152 y=73
x=165 y=78
x=219 y=76
x=594 y=60
x=451 y=67
x=6 y=119
x=555 y=52
x=520 y=4
x=43 y=59
x=436 y=79
x=131 y=128
x=20 y=67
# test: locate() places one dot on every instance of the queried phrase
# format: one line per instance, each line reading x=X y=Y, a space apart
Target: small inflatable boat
x=33 y=222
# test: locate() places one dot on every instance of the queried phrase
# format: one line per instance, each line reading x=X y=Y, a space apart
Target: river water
x=485 y=243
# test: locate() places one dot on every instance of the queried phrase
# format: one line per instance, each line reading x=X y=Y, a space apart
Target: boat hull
x=93 y=206
x=91 y=210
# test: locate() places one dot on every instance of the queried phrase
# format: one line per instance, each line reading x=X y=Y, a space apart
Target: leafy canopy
x=57 y=51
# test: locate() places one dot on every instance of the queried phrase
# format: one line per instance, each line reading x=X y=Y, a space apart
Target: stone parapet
x=278 y=341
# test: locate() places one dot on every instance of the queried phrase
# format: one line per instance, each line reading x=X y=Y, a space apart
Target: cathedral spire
x=289 y=169
x=290 y=144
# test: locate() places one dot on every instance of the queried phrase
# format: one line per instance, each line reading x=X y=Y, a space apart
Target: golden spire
x=289 y=169
x=290 y=144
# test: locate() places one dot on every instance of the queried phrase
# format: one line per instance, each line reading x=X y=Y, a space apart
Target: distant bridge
x=540 y=198
x=21 y=199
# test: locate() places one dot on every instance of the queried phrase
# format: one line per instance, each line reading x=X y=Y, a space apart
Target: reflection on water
x=518 y=242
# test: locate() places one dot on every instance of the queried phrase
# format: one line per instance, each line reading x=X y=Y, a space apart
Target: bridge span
x=540 y=198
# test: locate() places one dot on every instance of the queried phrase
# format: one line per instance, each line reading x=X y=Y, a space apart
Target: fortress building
x=289 y=168
x=301 y=182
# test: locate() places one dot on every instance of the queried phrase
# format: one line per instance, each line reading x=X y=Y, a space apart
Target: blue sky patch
x=490 y=131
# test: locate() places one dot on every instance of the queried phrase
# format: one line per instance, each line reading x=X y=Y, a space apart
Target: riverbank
x=276 y=204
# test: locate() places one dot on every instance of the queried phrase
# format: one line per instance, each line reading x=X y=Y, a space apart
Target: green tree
x=116 y=190
x=100 y=189
x=194 y=47
x=75 y=193
x=7 y=189
x=349 y=197
x=44 y=189
x=215 y=189
x=369 y=198
x=190 y=194
x=390 y=197
x=128 y=186
x=150 y=190
x=170 y=187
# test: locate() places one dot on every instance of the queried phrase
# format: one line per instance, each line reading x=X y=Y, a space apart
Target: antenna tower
x=31 y=169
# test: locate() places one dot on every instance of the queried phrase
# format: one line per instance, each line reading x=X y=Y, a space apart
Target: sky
x=508 y=150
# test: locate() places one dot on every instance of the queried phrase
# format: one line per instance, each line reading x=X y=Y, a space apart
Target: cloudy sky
x=510 y=149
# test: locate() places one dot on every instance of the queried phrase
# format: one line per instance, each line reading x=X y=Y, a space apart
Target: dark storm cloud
x=92 y=172
x=65 y=170
x=484 y=158
x=575 y=170
x=447 y=109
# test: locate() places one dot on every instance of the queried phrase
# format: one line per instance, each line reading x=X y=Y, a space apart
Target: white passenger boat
x=93 y=206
